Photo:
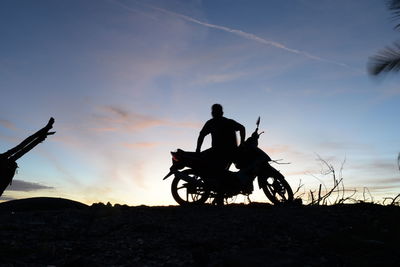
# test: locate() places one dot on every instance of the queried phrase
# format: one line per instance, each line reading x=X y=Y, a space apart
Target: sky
x=128 y=81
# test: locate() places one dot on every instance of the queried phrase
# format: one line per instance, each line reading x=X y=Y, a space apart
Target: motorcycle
x=196 y=180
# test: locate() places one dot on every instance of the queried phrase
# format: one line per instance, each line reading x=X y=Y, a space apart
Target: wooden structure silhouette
x=8 y=164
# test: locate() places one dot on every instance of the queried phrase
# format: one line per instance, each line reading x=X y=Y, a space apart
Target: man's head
x=216 y=111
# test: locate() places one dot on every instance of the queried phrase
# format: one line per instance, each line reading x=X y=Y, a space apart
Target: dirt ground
x=56 y=232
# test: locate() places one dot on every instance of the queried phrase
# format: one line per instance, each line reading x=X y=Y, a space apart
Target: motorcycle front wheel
x=189 y=193
x=276 y=188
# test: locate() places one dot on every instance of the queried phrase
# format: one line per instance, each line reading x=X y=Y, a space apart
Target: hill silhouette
x=40 y=203
x=67 y=233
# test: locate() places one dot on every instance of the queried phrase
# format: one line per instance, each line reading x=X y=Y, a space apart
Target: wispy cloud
x=6 y=198
x=220 y=78
x=240 y=33
x=113 y=118
x=377 y=165
x=7 y=124
x=106 y=129
x=282 y=149
x=335 y=145
x=141 y=145
x=391 y=181
x=307 y=172
x=383 y=187
x=278 y=149
x=20 y=185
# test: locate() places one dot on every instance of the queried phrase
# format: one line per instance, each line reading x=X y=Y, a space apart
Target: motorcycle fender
x=270 y=172
x=185 y=177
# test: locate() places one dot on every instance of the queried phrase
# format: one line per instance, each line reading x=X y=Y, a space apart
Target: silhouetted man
x=8 y=159
x=223 y=135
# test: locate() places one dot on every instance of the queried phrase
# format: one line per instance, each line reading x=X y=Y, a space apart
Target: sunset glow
x=128 y=81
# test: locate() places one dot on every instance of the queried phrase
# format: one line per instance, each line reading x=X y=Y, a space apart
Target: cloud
x=59 y=164
x=6 y=198
x=245 y=35
x=277 y=149
x=377 y=165
x=220 y=78
x=383 y=187
x=10 y=139
x=329 y=145
x=195 y=125
x=377 y=184
x=7 y=124
x=118 y=119
x=286 y=150
x=141 y=145
x=105 y=129
x=302 y=172
x=19 y=185
x=393 y=181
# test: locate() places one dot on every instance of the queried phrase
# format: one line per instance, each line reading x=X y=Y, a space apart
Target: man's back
x=223 y=133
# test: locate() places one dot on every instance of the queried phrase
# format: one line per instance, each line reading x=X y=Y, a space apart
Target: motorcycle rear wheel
x=189 y=193
x=277 y=189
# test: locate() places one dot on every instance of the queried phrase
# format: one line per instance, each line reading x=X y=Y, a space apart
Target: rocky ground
x=67 y=233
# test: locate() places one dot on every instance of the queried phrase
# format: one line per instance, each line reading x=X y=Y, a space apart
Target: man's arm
x=242 y=132
x=200 y=141
x=204 y=131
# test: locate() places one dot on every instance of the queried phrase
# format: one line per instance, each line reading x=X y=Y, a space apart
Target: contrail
x=246 y=35
x=249 y=36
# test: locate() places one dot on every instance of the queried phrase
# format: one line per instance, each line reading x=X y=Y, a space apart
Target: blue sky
x=129 y=81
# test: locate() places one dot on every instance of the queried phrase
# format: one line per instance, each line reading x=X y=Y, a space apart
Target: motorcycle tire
x=189 y=193
x=276 y=188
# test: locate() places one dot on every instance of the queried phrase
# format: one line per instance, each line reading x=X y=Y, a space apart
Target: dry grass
x=337 y=193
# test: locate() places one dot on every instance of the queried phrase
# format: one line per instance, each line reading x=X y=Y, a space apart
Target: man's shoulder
x=210 y=121
x=232 y=121
x=220 y=121
x=207 y=126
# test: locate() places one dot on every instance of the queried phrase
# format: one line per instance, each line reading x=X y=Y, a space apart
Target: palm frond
x=394 y=6
x=386 y=60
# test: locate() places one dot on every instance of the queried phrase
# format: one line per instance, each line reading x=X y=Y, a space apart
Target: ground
x=57 y=232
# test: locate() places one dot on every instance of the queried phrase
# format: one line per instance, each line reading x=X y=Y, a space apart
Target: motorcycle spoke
x=277 y=189
x=189 y=192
